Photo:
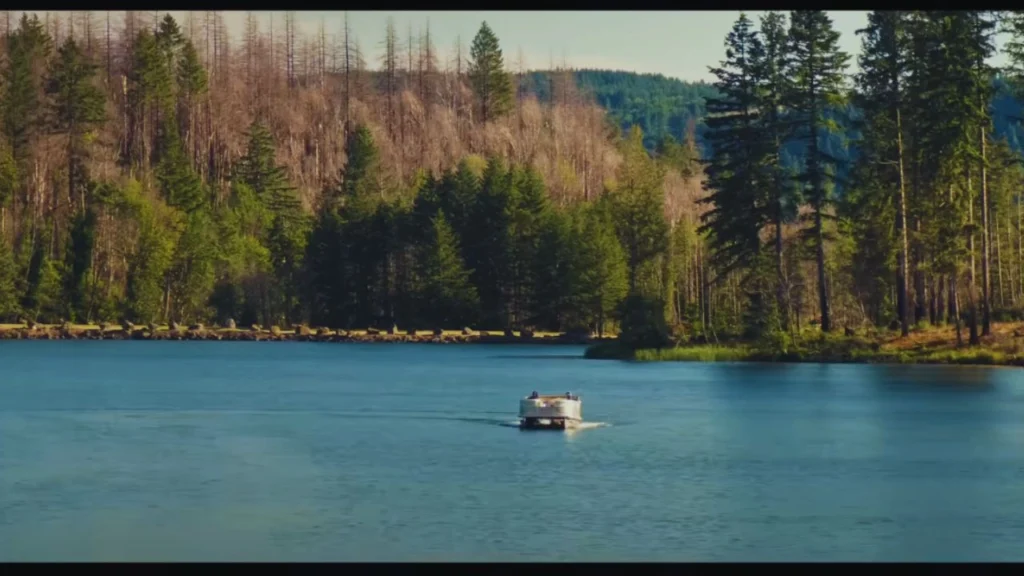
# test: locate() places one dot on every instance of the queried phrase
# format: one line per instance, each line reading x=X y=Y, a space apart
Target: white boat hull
x=550 y=412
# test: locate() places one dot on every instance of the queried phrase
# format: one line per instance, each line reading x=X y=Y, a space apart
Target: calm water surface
x=288 y=451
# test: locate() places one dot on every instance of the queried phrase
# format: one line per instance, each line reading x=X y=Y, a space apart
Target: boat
x=550 y=412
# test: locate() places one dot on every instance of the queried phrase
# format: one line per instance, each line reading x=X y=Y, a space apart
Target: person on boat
x=534 y=395
x=568 y=395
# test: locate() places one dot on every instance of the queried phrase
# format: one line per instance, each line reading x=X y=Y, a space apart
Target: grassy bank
x=925 y=345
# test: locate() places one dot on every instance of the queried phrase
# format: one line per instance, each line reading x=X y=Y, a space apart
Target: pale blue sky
x=680 y=44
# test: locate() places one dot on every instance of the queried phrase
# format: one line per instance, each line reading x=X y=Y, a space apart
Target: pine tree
x=553 y=287
x=150 y=83
x=362 y=178
x=638 y=207
x=1012 y=26
x=76 y=108
x=817 y=68
x=181 y=186
x=599 y=270
x=344 y=254
x=775 y=85
x=42 y=294
x=8 y=182
x=491 y=83
x=737 y=179
x=448 y=299
x=191 y=275
x=8 y=285
x=880 y=96
x=192 y=83
x=147 y=272
x=490 y=243
x=23 y=106
x=79 y=264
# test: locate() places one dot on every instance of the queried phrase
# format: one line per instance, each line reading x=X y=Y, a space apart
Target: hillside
x=663 y=106
x=184 y=175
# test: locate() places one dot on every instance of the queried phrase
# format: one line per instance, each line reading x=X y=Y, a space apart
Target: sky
x=679 y=44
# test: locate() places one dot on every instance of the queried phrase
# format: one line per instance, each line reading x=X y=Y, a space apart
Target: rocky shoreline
x=274 y=334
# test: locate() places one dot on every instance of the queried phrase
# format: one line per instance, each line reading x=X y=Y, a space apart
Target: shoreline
x=976 y=356
x=322 y=335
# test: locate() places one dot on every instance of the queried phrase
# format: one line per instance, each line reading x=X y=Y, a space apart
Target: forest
x=157 y=171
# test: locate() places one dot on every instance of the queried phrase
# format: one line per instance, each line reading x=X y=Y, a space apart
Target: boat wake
x=579 y=427
x=426 y=415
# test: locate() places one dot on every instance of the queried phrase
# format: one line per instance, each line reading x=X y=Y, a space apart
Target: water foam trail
x=579 y=427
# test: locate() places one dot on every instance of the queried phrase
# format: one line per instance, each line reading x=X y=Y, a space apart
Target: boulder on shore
x=230 y=324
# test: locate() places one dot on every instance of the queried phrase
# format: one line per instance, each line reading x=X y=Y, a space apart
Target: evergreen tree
x=8 y=285
x=42 y=293
x=76 y=107
x=448 y=299
x=816 y=66
x=553 y=287
x=28 y=48
x=599 y=270
x=150 y=85
x=638 y=207
x=772 y=71
x=8 y=181
x=492 y=85
x=147 y=294
x=490 y=239
x=362 y=180
x=346 y=259
x=181 y=186
x=880 y=96
x=737 y=179
x=1012 y=26
x=191 y=275
x=79 y=265
x=529 y=223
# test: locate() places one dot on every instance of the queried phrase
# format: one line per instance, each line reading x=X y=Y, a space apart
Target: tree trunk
x=954 y=300
x=1020 y=250
x=901 y=225
x=972 y=300
x=986 y=283
x=999 y=264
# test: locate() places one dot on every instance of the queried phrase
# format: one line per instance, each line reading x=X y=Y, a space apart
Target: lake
x=316 y=452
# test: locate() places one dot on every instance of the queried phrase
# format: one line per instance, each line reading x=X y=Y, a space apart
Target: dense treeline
x=157 y=172
x=928 y=228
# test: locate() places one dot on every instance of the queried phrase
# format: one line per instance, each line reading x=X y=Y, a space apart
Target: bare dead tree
x=289 y=33
x=390 y=69
x=348 y=75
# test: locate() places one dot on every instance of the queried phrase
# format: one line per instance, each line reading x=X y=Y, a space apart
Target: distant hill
x=663 y=106
x=659 y=105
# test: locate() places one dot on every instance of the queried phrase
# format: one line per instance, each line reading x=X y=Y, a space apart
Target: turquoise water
x=289 y=451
